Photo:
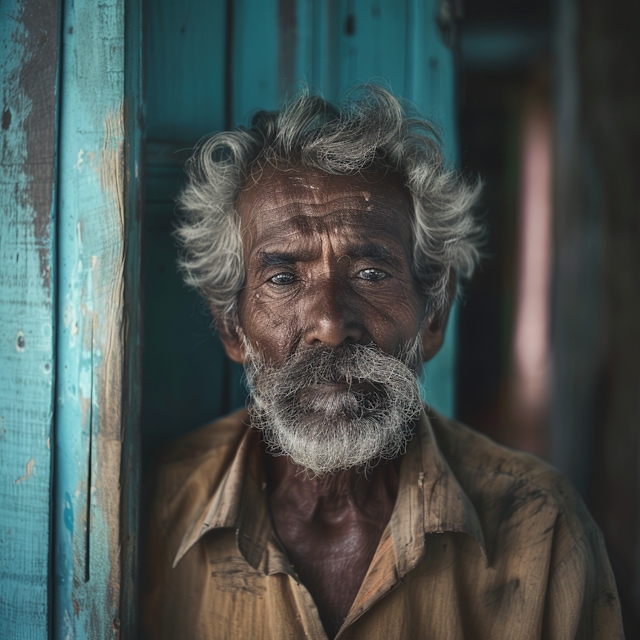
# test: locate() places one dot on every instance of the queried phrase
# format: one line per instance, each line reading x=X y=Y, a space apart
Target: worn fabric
x=483 y=542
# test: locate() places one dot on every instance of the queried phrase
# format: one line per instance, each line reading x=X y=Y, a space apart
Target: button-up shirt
x=483 y=542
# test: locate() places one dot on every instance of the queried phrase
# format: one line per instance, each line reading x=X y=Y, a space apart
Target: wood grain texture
x=28 y=90
x=186 y=66
x=98 y=306
x=134 y=150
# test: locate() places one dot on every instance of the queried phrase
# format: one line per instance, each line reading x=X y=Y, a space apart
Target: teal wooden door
x=72 y=122
x=28 y=81
x=98 y=328
x=209 y=65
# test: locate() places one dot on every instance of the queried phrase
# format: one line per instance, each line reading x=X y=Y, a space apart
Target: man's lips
x=332 y=386
x=327 y=389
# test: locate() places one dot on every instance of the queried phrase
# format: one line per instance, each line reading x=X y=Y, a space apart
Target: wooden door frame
x=72 y=79
x=99 y=339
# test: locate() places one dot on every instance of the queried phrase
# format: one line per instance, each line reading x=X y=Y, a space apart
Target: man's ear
x=231 y=340
x=435 y=327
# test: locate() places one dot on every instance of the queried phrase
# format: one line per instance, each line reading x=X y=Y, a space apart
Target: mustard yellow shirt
x=483 y=542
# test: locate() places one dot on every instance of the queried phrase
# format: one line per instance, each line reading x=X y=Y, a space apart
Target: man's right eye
x=282 y=278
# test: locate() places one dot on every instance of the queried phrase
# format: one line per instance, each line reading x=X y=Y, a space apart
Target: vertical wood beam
x=134 y=192
x=98 y=355
x=28 y=98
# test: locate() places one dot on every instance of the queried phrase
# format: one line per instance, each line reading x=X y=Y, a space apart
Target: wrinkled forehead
x=309 y=201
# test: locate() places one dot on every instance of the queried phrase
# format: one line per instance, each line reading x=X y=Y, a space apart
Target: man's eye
x=372 y=274
x=282 y=278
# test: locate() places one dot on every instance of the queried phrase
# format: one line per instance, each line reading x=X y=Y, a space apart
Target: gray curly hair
x=370 y=132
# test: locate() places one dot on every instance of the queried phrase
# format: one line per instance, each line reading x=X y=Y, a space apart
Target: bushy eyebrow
x=370 y=250
x=275 y=258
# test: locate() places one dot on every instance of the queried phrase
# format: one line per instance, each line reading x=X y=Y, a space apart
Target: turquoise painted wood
x=98 y=329
x=186 y=69
x=28 y=94
x=208 y=70
x=256 y=65
x=185 y=367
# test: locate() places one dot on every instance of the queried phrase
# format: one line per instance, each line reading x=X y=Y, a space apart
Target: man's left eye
x=372 y=274
x=282 y=278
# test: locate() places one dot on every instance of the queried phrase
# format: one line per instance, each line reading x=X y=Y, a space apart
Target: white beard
x=325 y=430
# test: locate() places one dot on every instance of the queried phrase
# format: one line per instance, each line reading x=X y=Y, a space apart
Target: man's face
x=331 y=316
x=328 y=262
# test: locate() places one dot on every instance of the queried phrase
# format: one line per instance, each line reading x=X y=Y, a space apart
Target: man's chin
x=323 y=444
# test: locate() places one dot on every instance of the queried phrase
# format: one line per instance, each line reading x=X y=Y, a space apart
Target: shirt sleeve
x=582 y=600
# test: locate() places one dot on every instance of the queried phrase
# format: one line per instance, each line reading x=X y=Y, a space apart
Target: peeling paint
x=78 y=165
x=30 y=467
x=111 y=167
x=92 y=338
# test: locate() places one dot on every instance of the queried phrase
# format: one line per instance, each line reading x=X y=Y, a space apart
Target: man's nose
x=331 y=318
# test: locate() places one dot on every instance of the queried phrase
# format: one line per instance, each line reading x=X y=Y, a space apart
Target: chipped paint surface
x=28 y=93
x=92 y=334
x=30 y=466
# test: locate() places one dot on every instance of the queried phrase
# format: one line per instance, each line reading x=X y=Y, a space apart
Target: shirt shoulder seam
x=574 y=548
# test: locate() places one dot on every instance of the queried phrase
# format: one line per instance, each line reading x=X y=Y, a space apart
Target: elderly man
x=327 y=242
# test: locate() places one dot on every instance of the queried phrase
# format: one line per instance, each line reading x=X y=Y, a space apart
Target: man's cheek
x=391 y=319
x=272 y=331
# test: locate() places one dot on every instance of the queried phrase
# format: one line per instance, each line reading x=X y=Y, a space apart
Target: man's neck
x=346 y=489
x=331 y=527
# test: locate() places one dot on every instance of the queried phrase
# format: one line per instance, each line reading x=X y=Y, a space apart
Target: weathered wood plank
x=184 y=370
x=255 y=68
x=28 y=90
x=187 y=45
x=134 y=189
x=98 y=332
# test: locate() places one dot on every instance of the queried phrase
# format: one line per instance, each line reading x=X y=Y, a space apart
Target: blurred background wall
x=549 y=342
x=539 y=97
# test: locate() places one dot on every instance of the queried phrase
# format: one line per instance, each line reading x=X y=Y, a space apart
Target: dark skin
x=328 y=261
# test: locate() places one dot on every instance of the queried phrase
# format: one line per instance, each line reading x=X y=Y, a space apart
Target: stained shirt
x=483 y=542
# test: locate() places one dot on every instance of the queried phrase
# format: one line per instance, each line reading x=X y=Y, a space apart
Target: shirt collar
x=243 y=484
x=430 y=500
